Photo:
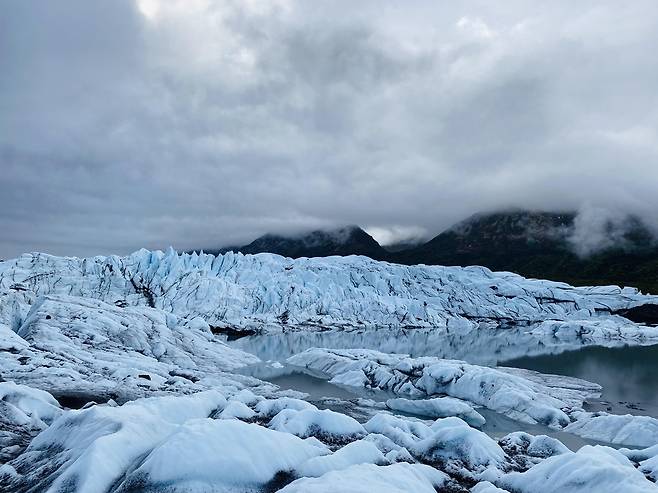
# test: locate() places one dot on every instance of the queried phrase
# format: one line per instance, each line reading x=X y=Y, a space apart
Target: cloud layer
x=201 y=123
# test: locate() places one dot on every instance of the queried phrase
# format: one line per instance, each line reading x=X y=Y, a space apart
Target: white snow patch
x=368 y=478
x=208 y=455
x=440 y=407
x=630 y=430
x=597 y=468
x=308 y=422
x=358 y=452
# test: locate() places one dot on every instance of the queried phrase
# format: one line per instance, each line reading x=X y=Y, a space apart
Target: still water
x=477 y=346
x=626 y=373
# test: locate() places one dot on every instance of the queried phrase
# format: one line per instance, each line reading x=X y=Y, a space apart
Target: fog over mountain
x=590 y=247
x=146 y=123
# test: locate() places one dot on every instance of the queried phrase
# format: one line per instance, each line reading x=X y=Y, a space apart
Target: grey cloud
x=212 y=122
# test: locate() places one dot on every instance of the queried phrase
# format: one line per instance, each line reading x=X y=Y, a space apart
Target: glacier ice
x=523 y=395
x=114 y=379
x=24 y=412
x=268 y=291
x=439 y=407
x=184 y=444
x=367 y=478
x=520 y=398
x=597 y=468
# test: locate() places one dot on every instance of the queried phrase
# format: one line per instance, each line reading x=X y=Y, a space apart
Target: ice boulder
x=219 y=455
x=635 y=431
x=88 y=450
x=452 y=440
x=369 y=478
x=324 y=424
x=592 y=468
x=358 y=452
x=440 y=407
x=237 y=410
x=447 y=440
x=271 y=407
x=646 y=458
x=24 y=412
x=24 y=405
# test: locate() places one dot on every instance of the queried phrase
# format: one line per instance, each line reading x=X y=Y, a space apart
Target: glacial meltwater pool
x=626 y=373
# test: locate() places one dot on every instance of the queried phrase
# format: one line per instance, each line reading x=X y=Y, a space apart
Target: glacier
x=115 y=378
x=266 y=291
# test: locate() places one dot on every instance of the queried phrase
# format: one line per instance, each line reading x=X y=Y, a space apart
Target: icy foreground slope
x=24 y=412
x=84 y=350
x=256 y=291
x=185 y=444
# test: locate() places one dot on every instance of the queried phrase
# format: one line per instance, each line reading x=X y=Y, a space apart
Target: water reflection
x=478 y=346
x=627 y=374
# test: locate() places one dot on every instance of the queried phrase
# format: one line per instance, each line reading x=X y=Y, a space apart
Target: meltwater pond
x=477 y=346
x=627 y=373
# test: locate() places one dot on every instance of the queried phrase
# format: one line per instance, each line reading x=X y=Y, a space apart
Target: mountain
x=544 y=245
x=348 y=240
x=494 y=240
x=541 y=245
x=403 y=245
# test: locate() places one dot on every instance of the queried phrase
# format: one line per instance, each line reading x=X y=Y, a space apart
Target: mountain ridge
x=345 y=240
x=538 y=244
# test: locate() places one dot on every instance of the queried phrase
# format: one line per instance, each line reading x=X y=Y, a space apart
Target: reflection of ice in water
x=477 y=346
x=626 y=373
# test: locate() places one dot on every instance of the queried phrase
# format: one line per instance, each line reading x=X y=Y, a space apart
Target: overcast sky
x=199 y=123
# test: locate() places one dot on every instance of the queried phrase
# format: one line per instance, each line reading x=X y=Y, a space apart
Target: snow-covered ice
x=114 y=379
x=523 y=395
x=24 y=412
x=88 y=450
x=638 y=431
x=357 y=452
x=647 y=459
x=449 y=441
x=83 y=347
x=439 y=407
x=187 y=443
x=228 y=455
x=366 y=478
x=314 y=422
x=599 y=469
x=266 y=290
x=506 y=392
